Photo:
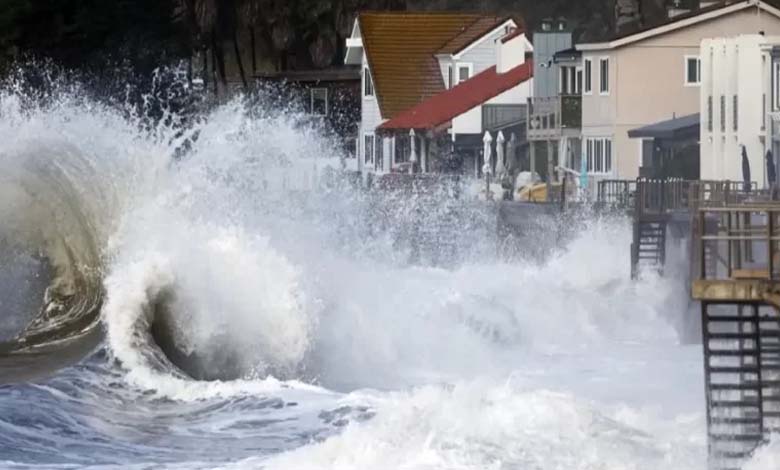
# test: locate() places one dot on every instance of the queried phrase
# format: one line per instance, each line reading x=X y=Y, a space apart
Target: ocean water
x=128 y=267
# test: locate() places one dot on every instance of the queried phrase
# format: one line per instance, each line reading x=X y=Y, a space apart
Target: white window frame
x=587 y=77
x=602 y=91
x=311 y=100
x=597 y=164
x=776 y=86
x=687 y=59
x=460 y=65
x=367 y=76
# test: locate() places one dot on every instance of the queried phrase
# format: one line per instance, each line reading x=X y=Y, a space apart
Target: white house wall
x=733 y=67
x=483 y=55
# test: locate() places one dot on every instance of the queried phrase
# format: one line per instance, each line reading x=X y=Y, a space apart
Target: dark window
x=722 y=113
x=379 y=153
x=464 y=73
x=450 y=78
x=368 y=148
x=709 y=113
x=692 y=71
x=578 y=91
x=368 y=83
x=604 y=77
x=588 y=76
x=736 y=113
x=564 y=73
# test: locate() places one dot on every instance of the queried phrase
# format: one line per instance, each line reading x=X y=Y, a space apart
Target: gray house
x=555 y=111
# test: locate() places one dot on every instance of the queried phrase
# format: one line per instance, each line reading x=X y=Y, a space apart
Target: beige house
x=651 y=75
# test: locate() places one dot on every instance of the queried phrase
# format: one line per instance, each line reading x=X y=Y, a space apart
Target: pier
x=733 y=231
x=736 y=279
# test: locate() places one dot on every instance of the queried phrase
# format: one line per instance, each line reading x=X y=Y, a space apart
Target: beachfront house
x=653 y=75
x=740 y=106
x=555 y=110
x=433 y=83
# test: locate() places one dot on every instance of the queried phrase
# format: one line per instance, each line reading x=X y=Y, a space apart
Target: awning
x=673 y=129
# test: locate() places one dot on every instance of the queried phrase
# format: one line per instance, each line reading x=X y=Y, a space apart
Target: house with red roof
x=432 y=84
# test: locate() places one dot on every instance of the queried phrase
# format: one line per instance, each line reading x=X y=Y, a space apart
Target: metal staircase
x=742 y=376
x=649 y=246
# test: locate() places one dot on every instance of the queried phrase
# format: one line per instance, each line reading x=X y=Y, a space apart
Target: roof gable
x=401 y=49
x=718 y=10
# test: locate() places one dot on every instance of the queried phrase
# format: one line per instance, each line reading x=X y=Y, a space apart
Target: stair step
x=734 y=318
x=739 y=386
x=737 y=437
x=738 y=335
x=725 y=420
x=733 y=370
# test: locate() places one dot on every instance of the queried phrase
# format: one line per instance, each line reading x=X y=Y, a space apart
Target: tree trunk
x=254 y=53
x=219 y=56
x=205 y=58
x=214 y=71
x=239 y=61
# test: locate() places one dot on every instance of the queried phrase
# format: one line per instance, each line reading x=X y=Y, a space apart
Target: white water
x=378 y=364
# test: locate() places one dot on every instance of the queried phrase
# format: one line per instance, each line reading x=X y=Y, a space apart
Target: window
x=709 y=113
x=776 y=87
x=735 y=112
x=402 y=149
x=368 y=148
x=598 y=153
x=450 y=76
x=604 y=76
x=763 y=112
x=570 y=80
x=464 y=72
x=368 y=83
x=379 y=153
x=692 y=71
x=563 y=81
x=319 y=101
x=723 y=113
x=588 y=76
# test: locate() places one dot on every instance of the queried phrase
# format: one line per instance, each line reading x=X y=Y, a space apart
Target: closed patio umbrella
x=745 y=170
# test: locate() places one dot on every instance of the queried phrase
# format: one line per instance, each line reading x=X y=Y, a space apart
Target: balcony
x=554 y=117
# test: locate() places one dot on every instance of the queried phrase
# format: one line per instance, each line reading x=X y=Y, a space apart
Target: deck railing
x=663 y=196
x=738 y=242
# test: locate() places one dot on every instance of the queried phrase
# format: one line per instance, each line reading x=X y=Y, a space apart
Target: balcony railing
x=552 y=116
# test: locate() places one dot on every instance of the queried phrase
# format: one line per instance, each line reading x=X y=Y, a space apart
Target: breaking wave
x=222 y=294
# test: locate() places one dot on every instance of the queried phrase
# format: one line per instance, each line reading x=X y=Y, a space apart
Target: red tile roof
x=401 y=48
x=443 y=107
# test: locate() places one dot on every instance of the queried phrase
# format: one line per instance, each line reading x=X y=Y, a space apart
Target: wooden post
x=770 y=228
x=550 y=169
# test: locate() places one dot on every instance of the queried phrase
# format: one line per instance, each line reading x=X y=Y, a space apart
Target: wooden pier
x=736 y=278
x=661 y=206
